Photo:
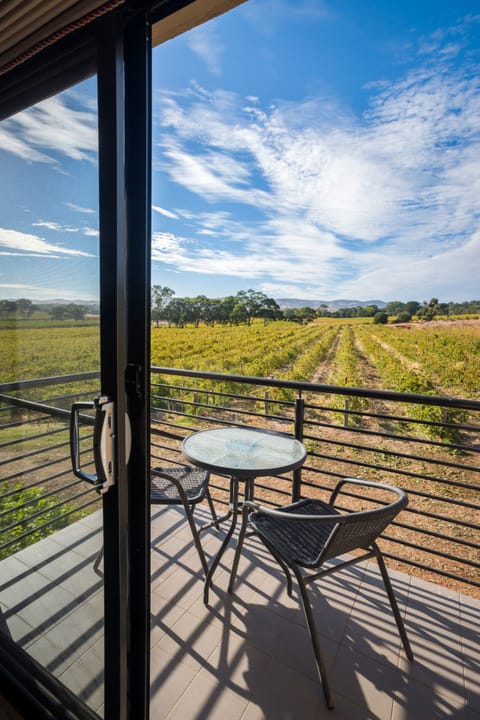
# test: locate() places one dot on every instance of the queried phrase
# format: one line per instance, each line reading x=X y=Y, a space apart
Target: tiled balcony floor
x=248 y=656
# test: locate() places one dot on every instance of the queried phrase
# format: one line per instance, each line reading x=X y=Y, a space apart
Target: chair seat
x=296 y=541
x=194 y=482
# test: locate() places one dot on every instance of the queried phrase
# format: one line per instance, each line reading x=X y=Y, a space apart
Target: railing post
x=267 y=404
x=299 y=418
x=345 y=412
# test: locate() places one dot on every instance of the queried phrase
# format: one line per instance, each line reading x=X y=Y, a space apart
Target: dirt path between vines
x=323 y=371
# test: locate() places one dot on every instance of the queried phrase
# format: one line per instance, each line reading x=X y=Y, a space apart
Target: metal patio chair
x=180 y=485
x=184 y=485
x=307 y=533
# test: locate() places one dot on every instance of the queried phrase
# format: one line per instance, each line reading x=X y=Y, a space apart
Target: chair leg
x=393 y=602
x=282 y=564
x=196 y=538
x=314 y=638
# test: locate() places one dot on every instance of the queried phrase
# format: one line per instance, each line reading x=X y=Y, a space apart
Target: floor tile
x=247 y=655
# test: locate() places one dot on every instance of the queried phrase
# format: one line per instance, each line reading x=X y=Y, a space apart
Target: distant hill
x=332 y=305
x=62 y=301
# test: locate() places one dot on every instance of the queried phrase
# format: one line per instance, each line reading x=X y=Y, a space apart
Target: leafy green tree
x=212 y=311
x=7 y=307
x=323 y=311
x=178 y=312
x=270 y=310
x=225 y=309
x=58 y=312
x=369 y=311
x=76 y=312
x=161 y=297
x=198 y=309
x=403 y=317
x=380 y=318
x=394 y=307
x=239 y=314
x=70 y=311
x=412 y=306
x=25 y=307
x=289 y=314
x=429 y=310
x=304 y=315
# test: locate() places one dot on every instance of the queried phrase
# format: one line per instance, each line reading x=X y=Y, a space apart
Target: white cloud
x=453 y=270
x=91 y=232
x=80 y=209
x=165 y=213
x=204 y=42
x=341 y=201
x=55 y=226
x=10 y=142
x=10 y=290
x=49 y=127
x=278 y=290
x=19 y=243
x=266 y=15
x=271 y=251
x=212 y=175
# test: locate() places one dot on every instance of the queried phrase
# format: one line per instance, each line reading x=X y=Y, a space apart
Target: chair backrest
x=360 y=530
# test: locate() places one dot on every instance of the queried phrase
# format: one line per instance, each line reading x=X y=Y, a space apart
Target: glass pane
x=51 y=587
x=315 y=175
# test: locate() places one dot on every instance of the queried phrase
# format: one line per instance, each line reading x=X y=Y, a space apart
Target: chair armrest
x=335 y=516
x=402 y=498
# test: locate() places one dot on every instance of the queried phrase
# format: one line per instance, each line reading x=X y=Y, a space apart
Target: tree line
x=403 y=312
x=249 y=304
x=234 y=309
x=25 y=308
x=244 y=307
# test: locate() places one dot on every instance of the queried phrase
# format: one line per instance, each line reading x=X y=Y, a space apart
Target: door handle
x=103 y=443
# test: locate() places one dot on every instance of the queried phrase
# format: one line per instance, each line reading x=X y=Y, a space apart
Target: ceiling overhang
x=29 y=26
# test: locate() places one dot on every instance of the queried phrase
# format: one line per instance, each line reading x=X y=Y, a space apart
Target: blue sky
x=318 y=150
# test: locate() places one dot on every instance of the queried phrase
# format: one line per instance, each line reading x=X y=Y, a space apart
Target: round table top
x=243 y=452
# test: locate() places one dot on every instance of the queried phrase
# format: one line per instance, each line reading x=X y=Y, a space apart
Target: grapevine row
x=449 y=357
x=396 y=376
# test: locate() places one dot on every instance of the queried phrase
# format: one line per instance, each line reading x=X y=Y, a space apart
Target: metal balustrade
x=428 y=445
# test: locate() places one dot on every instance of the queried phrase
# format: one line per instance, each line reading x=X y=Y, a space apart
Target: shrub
x=380 y=318
x=402 y=317
x=30 y=512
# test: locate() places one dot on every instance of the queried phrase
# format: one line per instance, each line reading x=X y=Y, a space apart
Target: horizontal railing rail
x=38 y=492
x=427 y=444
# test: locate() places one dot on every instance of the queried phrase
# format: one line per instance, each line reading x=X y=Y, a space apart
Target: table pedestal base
x=234 y=505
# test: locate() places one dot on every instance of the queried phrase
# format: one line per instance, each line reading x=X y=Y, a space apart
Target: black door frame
x=117 y=47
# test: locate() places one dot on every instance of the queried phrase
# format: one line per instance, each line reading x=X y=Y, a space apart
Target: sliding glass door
x=52 y=524
x=74 y=579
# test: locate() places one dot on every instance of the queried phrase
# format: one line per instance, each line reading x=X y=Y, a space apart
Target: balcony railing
x=428 y=445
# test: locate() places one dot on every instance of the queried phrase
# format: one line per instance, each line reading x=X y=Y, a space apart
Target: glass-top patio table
x=242 y=454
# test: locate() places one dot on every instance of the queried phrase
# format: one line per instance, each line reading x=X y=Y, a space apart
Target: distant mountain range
x=332 y=305
x=284 y=303
x=62 y=301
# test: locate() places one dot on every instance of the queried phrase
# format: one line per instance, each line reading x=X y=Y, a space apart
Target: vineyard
x=412 y=358
x=427 y=448
x=419 y=358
